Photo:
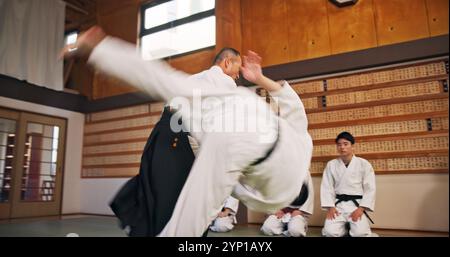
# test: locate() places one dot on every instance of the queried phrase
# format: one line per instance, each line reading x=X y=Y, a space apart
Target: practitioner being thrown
x=250 y=153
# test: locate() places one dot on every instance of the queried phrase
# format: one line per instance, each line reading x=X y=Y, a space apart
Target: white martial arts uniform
x=356 y=179
x=225 y=224
x=221 y=168
x=291 y=226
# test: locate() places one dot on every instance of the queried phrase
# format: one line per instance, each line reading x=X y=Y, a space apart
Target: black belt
x=345 y=198
x=269 y=152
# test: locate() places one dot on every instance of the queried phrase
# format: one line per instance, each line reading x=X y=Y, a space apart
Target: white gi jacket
x=308 y=205
x=356 y=179
x=220 y=167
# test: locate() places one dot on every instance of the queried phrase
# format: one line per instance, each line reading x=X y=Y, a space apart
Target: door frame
x=5 y=207
x=17 y=207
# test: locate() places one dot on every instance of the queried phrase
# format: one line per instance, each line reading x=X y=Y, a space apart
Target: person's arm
x=308 y=206
x=252 y=71
x=328 y=194
x=288 y=101
x=327 y=191
x=232 y=204
x=122 y=60
x=368 y=200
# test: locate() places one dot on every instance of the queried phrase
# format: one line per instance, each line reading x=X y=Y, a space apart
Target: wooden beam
x=76 y=8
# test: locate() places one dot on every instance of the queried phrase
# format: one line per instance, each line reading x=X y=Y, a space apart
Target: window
x=171 y=28
x=71 y=38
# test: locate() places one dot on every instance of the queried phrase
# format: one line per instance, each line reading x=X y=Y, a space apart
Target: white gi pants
x=296 y=226
x=336 y=227
x=223 y=224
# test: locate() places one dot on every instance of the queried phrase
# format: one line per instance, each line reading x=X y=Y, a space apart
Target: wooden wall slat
x=403 y=133
x=399 y=20
x=308 y=35
x=351 y=28
x=437 y=16
x=265 y=30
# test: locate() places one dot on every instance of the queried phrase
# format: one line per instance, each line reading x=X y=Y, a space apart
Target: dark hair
x=224 y=52
x=347 y=136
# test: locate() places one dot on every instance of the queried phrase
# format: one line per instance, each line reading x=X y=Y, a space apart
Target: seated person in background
x=292 y=220
x=347 y=192
x=227 y=217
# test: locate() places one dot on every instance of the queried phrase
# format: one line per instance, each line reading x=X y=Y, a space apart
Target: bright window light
x=175 y=10
x=181 y=39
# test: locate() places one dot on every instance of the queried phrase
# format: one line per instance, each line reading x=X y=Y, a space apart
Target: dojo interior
x=376 y=68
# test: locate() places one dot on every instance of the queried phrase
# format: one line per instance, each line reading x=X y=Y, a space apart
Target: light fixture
x=342 y=3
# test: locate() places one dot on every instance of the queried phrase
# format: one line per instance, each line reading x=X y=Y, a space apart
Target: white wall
x=408 y=201
x=74 y=141
x=96 y=193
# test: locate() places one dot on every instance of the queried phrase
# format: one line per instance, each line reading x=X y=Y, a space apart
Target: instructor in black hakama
x=145 y=203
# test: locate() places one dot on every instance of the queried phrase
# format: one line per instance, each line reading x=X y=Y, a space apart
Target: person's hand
x=296 y=213
x=279 y=214
x=251 y=67
x=224 y=213
x=356 y=214
x=85 y=43
x=252 y=71
x=332 y=213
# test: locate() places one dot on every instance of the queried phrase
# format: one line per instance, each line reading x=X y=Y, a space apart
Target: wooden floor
x=106 y=226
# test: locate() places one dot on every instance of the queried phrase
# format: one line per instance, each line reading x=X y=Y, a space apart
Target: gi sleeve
x=369 y=188
x=291 y=107
x=327 y=190
x=231 y=203
x=121 y=59
x=308 y=206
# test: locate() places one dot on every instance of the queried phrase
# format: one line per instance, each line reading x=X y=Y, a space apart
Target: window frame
x=172 y=24
x=67 y=33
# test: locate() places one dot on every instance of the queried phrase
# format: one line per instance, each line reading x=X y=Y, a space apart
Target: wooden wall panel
x=307 y=29
x=399 y=117
x=282 y=31
x=114 y=140
x=352 y=27
x=105 y=86
x=194 y=63
x=437 y=16
x=399 y=20
x=228 y=24
x=265 y=30
x=119 y=19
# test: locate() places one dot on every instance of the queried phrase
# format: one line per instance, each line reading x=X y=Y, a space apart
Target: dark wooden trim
x=385 y=137
x=399 y=172
x=124 y=141
x=24 y=91
x=109 y=176
x=113 y=153
x=374 y=86
x=422 y=171
x=118 y=130
x=134 y=116
x=368 y=58
x=405 y=117
x=388 y=155
x=399 y=100
x=384 y=68
x=362 y=59
x=118 y=101
x=117 y=165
